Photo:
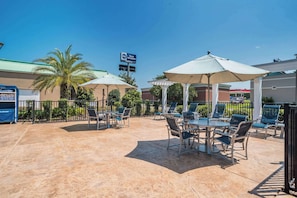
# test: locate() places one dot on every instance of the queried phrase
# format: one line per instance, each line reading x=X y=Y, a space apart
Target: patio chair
x=121 y=118
x=240 y=135
x=94 y=115
x=114 y=114
x=269 y=119
x=177 y=130
x=170 y=110
x=234 y=121
x=192 y=113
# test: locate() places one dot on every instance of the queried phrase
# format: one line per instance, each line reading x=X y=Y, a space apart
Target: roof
x=280 y=66
x=27 y=67
x=18 y=66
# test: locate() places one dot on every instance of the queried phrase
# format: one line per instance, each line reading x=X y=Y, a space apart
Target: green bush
x=47 y=107
x=39 y=114
x=179 y=109
x=63 y=106
x=138 y=108
x=156 y=106
x=202 y=109
x=267 y=100
x=130 y=99
x=147 y=107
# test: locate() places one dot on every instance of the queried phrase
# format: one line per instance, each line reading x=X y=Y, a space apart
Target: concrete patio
x=69 y=160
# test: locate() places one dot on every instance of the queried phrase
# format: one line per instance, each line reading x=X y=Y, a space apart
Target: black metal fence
x=69 y=110
x=74 y=110
x=290 y=148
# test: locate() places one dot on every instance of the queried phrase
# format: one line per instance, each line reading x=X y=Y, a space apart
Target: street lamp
x=1 y=45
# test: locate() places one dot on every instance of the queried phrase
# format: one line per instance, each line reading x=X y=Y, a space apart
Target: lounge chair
x=177 y=130
x=269 y=119
x=192 y=113
x=170 y=110
x=240 y=135
x=219 y=111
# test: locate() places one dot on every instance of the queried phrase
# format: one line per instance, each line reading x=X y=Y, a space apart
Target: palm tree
x=64 y=70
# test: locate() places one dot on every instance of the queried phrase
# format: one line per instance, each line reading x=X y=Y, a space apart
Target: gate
x=290 y=148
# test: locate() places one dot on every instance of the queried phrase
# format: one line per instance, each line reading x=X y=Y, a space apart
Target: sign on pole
x=127 y=57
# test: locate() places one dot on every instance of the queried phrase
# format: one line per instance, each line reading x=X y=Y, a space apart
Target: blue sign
x=128 y=58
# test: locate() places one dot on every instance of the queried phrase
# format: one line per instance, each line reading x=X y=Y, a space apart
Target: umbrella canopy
x=213 y=69
x=210 y=69
x=108 y=81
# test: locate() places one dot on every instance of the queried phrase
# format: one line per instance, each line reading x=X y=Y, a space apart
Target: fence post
x=33 y=111
x=97 y=104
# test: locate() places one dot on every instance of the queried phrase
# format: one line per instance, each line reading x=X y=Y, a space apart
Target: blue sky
x=162 y=33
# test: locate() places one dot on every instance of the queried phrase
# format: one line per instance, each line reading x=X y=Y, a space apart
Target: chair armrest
x=219 y=132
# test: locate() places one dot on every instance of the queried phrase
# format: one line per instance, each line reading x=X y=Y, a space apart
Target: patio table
x=109 y=115
x=208 y=124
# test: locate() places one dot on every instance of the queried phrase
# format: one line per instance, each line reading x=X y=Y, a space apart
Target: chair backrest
x=173 y=126
x=243 y=129
x=121 y=109
x=237 y=118
x=193 y=107
x=172 y=107
x=92 y=113
x=270 y=114
x=126 y=113
x=219 y=111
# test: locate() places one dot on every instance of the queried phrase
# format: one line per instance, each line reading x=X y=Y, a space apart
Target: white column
x=185 y=96
x=164 y=98
x=215 y=96
x=257 y=98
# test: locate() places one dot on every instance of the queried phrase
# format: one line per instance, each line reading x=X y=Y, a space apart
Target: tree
x=128 y=79
x=64 y=70
x=131 y=98
x=113 y=97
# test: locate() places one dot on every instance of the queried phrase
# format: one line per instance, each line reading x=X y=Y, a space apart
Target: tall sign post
x=127 y=58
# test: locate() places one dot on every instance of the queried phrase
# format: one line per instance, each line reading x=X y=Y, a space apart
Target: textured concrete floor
x=69 y=160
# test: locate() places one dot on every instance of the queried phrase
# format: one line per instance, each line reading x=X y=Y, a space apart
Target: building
x=20 y=74
x=202 y=91
x=280 y=84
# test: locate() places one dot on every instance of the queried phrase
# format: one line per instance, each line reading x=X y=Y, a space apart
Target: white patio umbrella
x=210 y=69
x=107 y=81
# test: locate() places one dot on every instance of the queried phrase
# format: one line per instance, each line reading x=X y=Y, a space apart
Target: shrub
x=267 y=100
x=47 y=107
x=147 y=107
x=156 y=106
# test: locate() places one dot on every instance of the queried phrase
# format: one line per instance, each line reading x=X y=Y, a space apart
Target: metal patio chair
x=177 y=130
x=240 y=135
x=94 y=115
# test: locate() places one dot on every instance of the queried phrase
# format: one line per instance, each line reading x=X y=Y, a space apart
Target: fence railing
x=67 y=110
x=74 y=110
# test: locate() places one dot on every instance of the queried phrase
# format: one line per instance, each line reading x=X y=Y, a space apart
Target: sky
x=161 y=33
